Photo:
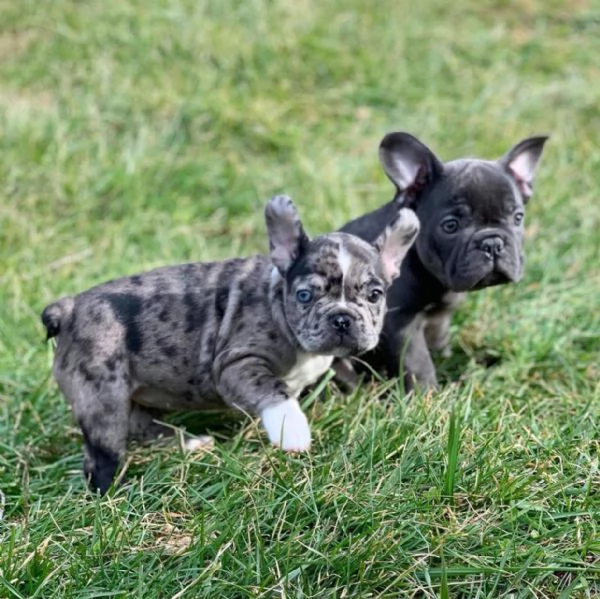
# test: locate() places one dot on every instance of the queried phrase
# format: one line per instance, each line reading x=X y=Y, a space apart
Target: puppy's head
x=334 y=287
x=471 y=211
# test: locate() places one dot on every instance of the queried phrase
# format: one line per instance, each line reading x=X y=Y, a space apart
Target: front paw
x=287 y=426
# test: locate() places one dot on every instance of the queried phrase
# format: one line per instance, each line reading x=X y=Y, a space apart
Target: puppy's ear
x=287 y=239
x=521 y=161
x=393 y=244
x=409 y=164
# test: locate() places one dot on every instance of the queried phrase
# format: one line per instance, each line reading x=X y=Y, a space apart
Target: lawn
x=139 y=133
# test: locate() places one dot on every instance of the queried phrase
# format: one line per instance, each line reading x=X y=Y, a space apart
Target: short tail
x=55 y=315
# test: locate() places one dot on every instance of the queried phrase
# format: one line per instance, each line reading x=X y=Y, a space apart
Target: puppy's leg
x=142 y=425
x=100 y=404
x=345 y=375
x=419 y=370
x=437 y=333
x=438 y=320
x=143 y=428
x=250 y=385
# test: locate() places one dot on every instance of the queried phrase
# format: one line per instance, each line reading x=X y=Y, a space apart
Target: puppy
x=471 y=213
x=247 y=333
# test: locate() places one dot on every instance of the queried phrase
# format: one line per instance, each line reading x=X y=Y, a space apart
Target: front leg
x=346 y=376
x=406 y=346
x=438 y=319
x=437 y=333
x=419 y=371
x=250 y=385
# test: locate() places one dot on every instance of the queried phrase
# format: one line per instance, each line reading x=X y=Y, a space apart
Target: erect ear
x=393 y=244
x=409 y=164
x=521 y=161
x=287 y=239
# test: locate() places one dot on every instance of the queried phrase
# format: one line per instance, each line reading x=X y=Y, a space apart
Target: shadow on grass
x=225 y=424
x=452 y=368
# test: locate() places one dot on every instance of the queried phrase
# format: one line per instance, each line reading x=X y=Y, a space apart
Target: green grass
x=137 y=133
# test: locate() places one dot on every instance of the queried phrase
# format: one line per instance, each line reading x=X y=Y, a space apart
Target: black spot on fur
x=96 y=316
x=299 y=268
x=163 y=315
x=221 y=298
x=188 y=396
x=127 y=307
x=87 y=375
x=280 y=386
x=209 y=343
x=195 y=312
x=110 y=363
x=136 y=280
x=251 y=298
x=272 y=335
x=101 y=467
x=85 y=345
x=169 y=350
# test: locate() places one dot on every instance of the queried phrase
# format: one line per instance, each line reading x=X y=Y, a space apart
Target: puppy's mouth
x=492 y=279
x=474 y=275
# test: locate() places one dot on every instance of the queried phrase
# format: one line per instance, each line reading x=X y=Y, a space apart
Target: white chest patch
x=307 y=370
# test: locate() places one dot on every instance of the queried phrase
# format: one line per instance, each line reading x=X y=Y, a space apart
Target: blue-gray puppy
x=471 y=213
x=248 y=333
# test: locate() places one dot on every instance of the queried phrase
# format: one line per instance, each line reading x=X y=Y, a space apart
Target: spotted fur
x=218 y=334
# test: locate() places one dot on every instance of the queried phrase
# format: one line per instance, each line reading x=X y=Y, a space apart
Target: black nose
x=340 y=322
x=493 y=246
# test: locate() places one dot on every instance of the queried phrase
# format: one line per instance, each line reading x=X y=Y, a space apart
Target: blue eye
x=304 y=296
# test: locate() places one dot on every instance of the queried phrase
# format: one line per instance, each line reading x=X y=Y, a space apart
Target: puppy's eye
x=375 y=295
x=304 y=296
x=518 y=218
x=450 y=225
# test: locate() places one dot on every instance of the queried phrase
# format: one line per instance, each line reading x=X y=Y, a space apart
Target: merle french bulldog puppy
x=247 y=333
x=471 y=213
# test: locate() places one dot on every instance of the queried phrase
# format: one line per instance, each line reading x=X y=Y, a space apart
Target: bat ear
x=409 y=164
x=393 y=244
x=521 y=161
x=287 y=239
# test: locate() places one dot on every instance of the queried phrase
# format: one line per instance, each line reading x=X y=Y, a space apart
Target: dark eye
x=519 y=218
x=450 y=225
x=375 y=295
x=304 y=296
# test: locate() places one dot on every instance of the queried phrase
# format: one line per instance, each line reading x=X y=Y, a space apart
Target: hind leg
x=143 y=426
x=101 y=406
x=144 y=429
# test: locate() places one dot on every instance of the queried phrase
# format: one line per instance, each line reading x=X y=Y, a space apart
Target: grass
x=137 y=133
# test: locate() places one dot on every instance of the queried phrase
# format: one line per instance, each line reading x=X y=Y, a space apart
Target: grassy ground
x=137 y=133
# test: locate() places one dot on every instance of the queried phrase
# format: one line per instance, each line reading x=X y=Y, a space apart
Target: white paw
x=287 y=426
x=202 y=443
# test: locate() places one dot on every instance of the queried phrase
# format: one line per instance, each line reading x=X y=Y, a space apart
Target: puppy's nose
x=493 y=246
x=340 y=322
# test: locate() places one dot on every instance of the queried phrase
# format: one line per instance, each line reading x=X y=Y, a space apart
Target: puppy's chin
x=339 y=348
x=476 y=282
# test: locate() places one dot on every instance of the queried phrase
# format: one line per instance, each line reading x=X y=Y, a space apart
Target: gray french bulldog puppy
x=471 y=213
x=247 y=333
